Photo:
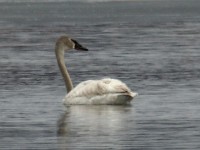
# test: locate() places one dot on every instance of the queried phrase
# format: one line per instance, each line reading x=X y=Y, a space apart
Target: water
x=152 y=46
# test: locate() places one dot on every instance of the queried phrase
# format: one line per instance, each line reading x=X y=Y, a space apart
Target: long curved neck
x=61 y=63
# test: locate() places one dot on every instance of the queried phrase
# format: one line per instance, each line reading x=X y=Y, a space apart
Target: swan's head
x=66 y=43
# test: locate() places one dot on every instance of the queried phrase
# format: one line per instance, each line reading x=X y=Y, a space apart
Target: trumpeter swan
x=104 y=91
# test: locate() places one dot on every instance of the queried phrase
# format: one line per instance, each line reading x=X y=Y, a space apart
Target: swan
x=104 y=91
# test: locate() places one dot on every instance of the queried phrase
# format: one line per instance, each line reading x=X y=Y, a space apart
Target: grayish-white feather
x=104 y=91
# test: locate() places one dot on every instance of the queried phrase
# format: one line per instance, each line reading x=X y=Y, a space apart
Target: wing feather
x=92 y=88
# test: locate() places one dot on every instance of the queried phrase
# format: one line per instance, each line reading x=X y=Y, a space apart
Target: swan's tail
x=133 y=94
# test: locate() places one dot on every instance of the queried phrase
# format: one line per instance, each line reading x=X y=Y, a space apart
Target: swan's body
x=104 y=91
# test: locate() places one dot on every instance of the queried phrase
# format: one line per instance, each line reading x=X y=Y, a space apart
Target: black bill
x=79 y=46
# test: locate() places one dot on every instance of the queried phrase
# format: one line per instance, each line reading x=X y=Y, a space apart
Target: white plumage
x=104 y=91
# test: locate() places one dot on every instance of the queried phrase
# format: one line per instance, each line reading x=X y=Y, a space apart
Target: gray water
x=152 y=46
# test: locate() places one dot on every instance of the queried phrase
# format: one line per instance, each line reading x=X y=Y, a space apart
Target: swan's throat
x=63 y=69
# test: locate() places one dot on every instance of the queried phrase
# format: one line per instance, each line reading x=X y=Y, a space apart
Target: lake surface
x=152 y=46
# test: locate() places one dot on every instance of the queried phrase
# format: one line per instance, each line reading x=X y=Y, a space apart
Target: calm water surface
x=152 y=46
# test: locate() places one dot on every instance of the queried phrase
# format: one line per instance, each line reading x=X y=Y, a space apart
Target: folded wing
x=104 y=86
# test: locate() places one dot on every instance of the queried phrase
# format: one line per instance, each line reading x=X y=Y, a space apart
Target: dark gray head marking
x=78 y=46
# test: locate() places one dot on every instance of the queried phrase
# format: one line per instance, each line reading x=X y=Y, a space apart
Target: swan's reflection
x=79 y=123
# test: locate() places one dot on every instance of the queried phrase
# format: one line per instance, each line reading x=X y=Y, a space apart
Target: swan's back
x=104 y=91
